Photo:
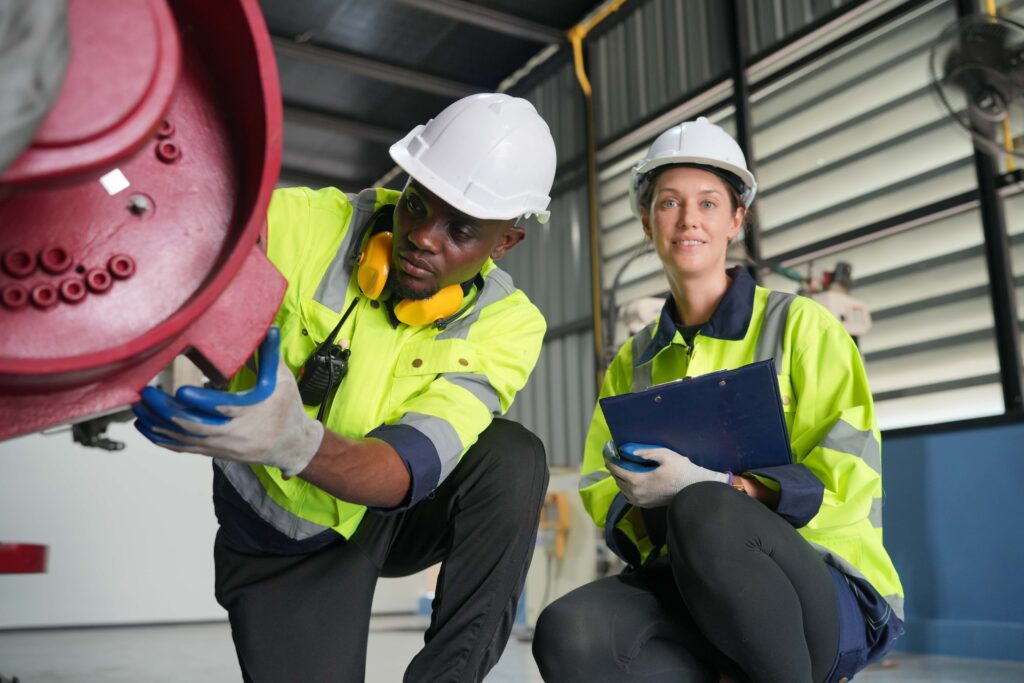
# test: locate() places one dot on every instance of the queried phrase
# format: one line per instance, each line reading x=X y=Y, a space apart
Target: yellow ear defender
x=372 y=275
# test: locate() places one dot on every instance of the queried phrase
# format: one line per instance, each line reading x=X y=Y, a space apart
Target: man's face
x=435 y=245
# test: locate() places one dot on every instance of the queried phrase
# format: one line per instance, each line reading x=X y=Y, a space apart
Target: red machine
x=130 y=227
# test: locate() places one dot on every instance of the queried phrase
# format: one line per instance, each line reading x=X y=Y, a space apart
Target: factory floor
x=202 y=653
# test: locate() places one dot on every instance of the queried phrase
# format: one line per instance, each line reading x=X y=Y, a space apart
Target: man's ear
x=513 y=236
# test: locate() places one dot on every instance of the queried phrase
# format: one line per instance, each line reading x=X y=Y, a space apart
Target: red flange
x=139 y=207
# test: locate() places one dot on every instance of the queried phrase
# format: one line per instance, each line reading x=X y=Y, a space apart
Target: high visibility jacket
x=832 y=491
x=428 y=392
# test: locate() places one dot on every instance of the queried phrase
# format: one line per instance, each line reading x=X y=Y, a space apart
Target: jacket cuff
x=614 y=538
x=420 y=458
x=800 y=492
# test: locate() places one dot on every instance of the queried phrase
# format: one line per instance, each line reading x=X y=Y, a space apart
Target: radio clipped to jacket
x=325 y=368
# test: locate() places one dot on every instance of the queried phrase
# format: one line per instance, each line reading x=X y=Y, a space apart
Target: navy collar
x=729 y=321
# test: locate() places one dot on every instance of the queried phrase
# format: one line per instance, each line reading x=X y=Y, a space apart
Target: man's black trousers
x=306 y=617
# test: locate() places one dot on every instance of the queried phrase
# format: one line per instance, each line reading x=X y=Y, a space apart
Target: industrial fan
x=977 y=68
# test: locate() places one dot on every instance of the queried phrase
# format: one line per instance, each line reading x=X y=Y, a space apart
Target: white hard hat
x=693 y=142
x=487 y=155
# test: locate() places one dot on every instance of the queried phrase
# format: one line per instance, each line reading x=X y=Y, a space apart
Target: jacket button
x=374 y=304
x=463 y=361
x=785 y=400
x=416 y=363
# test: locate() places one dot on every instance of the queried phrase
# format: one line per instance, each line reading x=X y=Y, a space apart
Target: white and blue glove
x=266 y=425
x=657 y=487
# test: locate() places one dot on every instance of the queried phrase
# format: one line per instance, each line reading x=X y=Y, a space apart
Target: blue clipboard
x=728 y=421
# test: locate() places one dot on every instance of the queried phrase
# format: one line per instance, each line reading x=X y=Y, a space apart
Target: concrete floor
x=202 y=653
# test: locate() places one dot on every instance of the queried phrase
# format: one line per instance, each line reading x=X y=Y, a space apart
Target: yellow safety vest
x=446 y=384
x=827 y=405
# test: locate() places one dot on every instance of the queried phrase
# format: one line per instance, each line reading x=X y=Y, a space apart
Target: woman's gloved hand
x=266 y=425
x=657 y=487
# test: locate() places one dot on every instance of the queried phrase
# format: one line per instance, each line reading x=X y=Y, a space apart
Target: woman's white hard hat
x=488 y=155
x=692 y=142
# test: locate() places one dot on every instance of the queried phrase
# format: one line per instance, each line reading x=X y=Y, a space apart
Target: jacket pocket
x=421 y=363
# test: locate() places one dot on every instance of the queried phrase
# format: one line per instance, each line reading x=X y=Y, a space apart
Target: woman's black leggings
x=741 y=593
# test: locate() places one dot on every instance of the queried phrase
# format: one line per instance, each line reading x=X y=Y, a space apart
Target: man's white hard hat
x=697 y=142
x=488 y=155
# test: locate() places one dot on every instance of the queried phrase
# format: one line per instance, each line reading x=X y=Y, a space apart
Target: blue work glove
x=266 y=425
x=674 y=472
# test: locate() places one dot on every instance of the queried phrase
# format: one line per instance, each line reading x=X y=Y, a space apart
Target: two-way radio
x=325 y=368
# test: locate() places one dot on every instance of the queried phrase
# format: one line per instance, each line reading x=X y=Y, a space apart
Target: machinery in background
x=133 y=200
x=570 y=550
x=831 y=289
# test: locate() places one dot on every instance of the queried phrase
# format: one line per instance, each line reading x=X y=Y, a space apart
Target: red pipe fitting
x=14 y=297
x=98 y=280
x=18 y=263
x=54 y=260
x=165 y=129
x=44 y=295
x=121 y=266
x=73 y=290
x=167 y=151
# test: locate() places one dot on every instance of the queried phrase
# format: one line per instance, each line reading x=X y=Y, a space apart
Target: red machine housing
x=130 y=229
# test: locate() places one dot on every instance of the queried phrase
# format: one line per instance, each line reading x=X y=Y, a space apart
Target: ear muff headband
x=374 y=265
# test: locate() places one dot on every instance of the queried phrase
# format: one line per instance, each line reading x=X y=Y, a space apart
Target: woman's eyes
x=674 y=203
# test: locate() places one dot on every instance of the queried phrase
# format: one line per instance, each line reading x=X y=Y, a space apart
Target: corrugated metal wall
x=663 y=50
x=774 y=20
x=553 y=267
x=644 y=63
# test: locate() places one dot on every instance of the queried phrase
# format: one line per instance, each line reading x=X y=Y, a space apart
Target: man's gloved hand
x=657 y=488
x=265 y=425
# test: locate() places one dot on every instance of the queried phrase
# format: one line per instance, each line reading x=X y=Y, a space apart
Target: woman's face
x=690 y=219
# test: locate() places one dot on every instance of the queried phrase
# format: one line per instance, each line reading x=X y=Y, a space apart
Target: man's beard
x=400 y=292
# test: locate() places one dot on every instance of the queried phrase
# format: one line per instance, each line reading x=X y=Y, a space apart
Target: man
x=409 y=340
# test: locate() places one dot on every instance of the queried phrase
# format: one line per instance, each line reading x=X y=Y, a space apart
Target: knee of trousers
x=514 y=464
x=701 y=517
x=570 y=632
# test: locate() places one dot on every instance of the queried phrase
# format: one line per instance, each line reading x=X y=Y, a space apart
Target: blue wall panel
x=954 y=525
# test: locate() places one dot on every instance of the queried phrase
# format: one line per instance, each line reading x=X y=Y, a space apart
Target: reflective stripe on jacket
x=428 y=392
x=832 y=492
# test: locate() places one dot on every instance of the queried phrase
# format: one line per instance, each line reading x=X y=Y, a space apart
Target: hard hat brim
x=451 y=196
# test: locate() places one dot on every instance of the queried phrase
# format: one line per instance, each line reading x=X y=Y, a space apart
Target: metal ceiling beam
x=306 y=116
x=490 y=19
x=371 y=68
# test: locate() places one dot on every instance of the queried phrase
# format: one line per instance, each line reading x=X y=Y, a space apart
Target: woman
x=777 y=574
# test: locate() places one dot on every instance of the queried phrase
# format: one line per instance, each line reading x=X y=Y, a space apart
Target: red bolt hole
x=168 y=152
x=73 y=290
x=98 y=280
x=165 y=129
x=44 y=295
x=19 y=263
x=121 y=266
x=14 y=297
x=55 y=260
